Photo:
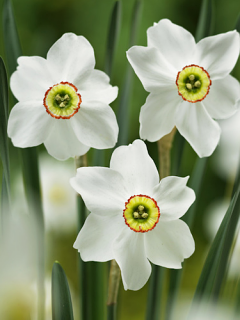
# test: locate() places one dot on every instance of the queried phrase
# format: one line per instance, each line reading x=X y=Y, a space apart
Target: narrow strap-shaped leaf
x=237 y=27
x=112 y=40
x=4 y=152
x=155 y=292
x=61 y=297
x=177 y=153
x=209 y=268
x=123 y=110
x=5 y=208
x=205 y=24
x=224 y=251
x=195 y=183
x=11 y=39
x=113 y=33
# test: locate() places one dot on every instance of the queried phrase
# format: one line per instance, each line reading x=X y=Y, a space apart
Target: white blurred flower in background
x=202 y=310
x=59 y=199
x=18 y=300
x=213 y=218
x=226 y=158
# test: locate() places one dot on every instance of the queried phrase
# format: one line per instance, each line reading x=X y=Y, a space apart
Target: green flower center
x=193 y=83
x=62 y=100
x=141 y=213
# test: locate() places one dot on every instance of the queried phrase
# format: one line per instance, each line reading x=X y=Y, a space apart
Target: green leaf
x=155 y=293
x=61 y=298
x=210 y=268
x=123 y=110
x=112 y=40
x=205 y=23
x=113 y=34
x=224 y=250
x=11 y=39
x=4 y=152
x=5 y=207
x=237 y=27
x=195 y=183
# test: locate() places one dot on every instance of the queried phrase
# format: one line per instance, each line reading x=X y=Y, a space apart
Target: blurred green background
x=41 y=22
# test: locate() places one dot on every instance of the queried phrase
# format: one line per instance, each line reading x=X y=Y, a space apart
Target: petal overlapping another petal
x=32 y=79
x=173 y=197
x=129 y=252
x=95 y=125
x=96 y=87
x=102 y=190
x=198 y=128
x=221 y=102
x=62 y=143
x=29 y=125
x=95 y=240
x=175 y=43
x=157 y=115
x=137 y=168
x=151 y=68
x=169 y=244
x=71 y=57
x=218 y=54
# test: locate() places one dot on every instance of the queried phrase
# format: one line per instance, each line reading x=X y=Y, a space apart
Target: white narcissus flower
x=226 y=158
x=134 y=219
x=189 y=84
x=63 y=101
x=59 y=199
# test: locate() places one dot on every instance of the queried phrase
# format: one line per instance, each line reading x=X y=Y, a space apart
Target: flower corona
x=62 y=100
x=141 y=213
x=193 y=83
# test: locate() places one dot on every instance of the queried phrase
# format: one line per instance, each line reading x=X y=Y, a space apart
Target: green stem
x=114 y=279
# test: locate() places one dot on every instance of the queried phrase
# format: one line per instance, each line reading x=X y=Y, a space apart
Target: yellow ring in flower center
x=193 y=83
x=141 y=213
x=62 y=100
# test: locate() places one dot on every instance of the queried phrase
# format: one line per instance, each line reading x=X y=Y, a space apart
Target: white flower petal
x=169 y=243
x=95 y=124
x=151 y=68
x=32 y=79
x=157 y=115
x=29 y=124
x=71 y=56
x=175 y=43
x=136 y=166
x=221 y=101
x=173 y=197
x=198 y=128
x=96 y=87
x=129 y=252
x=95 y=240
x=102 y=190
x=218 y=54
x=62 y=143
